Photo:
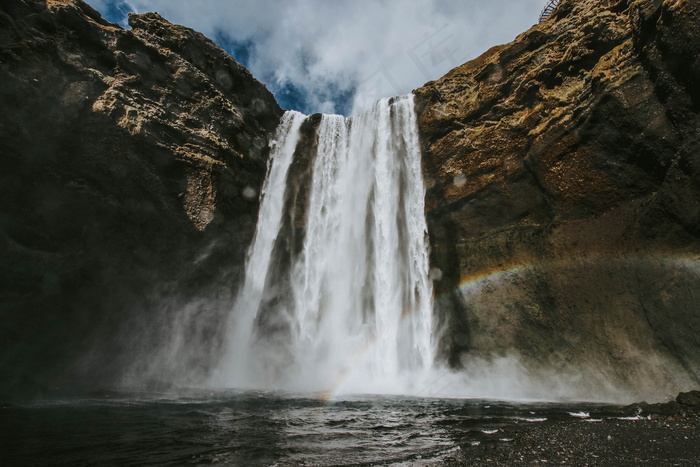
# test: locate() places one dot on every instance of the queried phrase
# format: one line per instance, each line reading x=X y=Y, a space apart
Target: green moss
x=108 y=80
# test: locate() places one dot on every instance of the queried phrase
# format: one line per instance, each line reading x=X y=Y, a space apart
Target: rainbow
x=689 y=262
x=471 y=284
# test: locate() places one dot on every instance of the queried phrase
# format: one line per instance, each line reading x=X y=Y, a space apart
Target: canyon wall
x=130 y=168
x=563 y=202
x=563 y=199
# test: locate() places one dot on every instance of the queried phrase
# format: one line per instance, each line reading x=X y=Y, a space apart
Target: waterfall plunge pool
x=200 y=427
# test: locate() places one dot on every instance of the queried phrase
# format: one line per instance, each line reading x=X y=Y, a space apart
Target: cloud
x=333 y=56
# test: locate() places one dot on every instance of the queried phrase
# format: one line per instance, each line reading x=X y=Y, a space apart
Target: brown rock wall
x=130 y=167
x=563 y=198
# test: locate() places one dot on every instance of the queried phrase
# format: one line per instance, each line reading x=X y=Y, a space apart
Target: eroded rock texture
x=564 y=198
x=563 y=201
x=130 y=167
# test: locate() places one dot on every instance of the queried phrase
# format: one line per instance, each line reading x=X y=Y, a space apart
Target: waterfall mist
x=337 y=296
x=347 y=306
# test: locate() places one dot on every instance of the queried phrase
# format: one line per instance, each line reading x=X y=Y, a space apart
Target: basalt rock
x=563 y=199
x=130 y=167
x=690 y=400
x=683 y=404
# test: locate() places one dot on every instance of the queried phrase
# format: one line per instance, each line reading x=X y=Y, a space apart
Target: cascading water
x=349 y=307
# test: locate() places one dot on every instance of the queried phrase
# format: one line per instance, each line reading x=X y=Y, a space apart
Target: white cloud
x=378 y=48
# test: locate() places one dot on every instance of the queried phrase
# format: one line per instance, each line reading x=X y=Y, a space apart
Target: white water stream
x=349 y=308
x=336 y=298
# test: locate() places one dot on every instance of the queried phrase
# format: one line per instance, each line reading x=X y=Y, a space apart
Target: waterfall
x=340 y=300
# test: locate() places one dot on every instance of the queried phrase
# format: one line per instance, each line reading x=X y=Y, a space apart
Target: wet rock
x=127 y=158
x=562 y=200
x=689 y=400
x=643 y=409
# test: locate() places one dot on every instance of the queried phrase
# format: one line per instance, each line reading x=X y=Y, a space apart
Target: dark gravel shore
x=652 y=440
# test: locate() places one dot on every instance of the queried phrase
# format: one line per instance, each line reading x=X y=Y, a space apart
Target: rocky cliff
x=130 y=167
x=563 y=199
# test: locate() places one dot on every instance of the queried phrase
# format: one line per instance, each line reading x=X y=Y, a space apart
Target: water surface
x=258 y=428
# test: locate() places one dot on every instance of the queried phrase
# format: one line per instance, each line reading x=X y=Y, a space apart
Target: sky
x=336 y=56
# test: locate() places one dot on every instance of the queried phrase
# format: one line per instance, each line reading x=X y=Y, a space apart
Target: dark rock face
x=130 y=167
x=690 y=399
x=685 y=403
x=564 y=203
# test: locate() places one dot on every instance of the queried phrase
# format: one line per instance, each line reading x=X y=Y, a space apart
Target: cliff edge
x=563 y=199
x=131 y=163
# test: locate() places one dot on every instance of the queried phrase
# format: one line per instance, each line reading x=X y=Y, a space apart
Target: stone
x=563 y=201
x=127 y=163
x=689 y=399
x=573 y=243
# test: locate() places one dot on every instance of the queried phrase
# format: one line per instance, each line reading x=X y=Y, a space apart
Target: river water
x=262 y=428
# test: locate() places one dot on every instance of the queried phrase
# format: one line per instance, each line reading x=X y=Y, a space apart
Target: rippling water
x=255 y=428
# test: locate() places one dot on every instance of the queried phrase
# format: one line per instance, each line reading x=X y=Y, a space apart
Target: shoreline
x=653 y=434
x=659 y=440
